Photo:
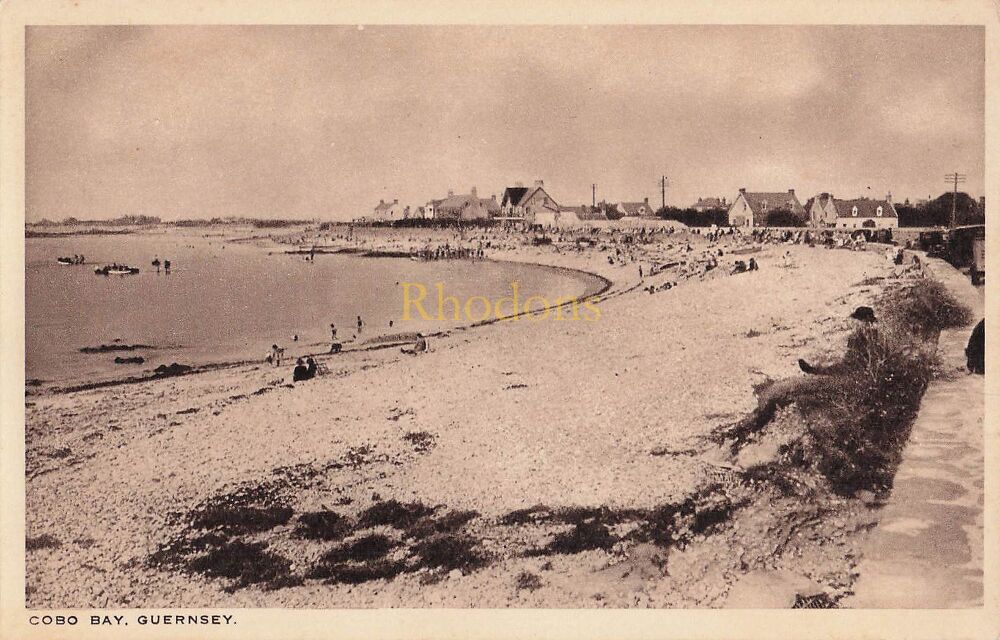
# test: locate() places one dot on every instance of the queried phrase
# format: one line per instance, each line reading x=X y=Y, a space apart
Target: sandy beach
x=611 y=415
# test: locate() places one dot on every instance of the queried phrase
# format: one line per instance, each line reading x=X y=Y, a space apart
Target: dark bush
x=323 y=525
x=450 y=551
x=784 y=218
x=245 y=564
x=927 y=308
x=528 y=581
x=694 y=218
x=44 y=541
x=449 y=522
x=584 y=536
x=239 y=519
x=366 y=549
x=394 y=513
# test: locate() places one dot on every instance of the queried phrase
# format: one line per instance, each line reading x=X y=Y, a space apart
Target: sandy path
x=521 y=413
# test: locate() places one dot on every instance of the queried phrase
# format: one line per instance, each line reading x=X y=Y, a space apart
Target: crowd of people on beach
x=664 y=256
x=448 y=252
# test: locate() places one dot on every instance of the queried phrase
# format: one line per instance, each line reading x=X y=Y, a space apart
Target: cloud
x=325 y=120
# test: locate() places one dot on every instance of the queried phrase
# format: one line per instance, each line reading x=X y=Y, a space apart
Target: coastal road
x=927 y=551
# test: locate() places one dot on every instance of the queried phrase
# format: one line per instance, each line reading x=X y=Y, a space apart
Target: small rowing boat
x=116 y=270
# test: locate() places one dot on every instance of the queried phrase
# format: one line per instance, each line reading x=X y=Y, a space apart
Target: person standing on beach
x=360 y=324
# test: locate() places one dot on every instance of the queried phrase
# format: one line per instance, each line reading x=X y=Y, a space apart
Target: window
x=878 y=212
x=854 y=211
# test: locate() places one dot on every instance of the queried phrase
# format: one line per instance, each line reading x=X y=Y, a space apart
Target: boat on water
x=69 y=261
x=116 y=270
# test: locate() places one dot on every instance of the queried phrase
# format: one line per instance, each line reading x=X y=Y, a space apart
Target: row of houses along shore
x=534 y=205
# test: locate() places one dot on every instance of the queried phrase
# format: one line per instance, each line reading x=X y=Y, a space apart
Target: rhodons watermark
x=480 y=308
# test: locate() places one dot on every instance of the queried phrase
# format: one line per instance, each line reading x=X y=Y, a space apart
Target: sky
x=324 y=121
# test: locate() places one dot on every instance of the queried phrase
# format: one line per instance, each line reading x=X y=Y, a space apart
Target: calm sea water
x=225 y=301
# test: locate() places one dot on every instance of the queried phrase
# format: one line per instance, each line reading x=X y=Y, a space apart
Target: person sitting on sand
x=739 y=267
x=301 y=371
x=753 y=265
x=420 y=346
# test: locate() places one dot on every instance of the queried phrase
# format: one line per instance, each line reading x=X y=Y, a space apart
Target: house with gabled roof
x=388 y=210
x=635 y=209
x=467 y=206
x=752 y=208
x=862 y=213
x=531 y=204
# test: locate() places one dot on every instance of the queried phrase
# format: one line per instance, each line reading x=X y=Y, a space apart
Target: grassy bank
x=854 y=419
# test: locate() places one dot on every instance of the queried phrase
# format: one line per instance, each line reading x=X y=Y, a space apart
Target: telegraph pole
x=954 y=178
x=593 y=195
x=663 y=189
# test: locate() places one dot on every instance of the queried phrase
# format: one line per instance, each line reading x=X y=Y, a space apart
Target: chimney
x=743 y=190
x=539 y=183
x=473 y=192
x=395 y=200
x=888 y=197
x=519 y=184
x=451 y=192
x=723 y=200
x=791 y=192
x=646 y=201
x=493 y=197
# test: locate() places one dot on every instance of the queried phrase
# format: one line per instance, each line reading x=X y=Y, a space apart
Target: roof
x=709 y=203
x=763 y=201
x=866 y=208
x=519 y=196
x=456 y=202
x=514 y=195
x=634 y=208
x=383 y=206
x=490 y=204
x=463 y=201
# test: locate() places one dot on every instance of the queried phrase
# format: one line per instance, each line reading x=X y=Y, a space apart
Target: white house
x=388 y=210
x=863 y=213
x=531 y=204
x=752 y=208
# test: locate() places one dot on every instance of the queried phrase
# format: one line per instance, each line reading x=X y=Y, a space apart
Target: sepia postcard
x=499 y=319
